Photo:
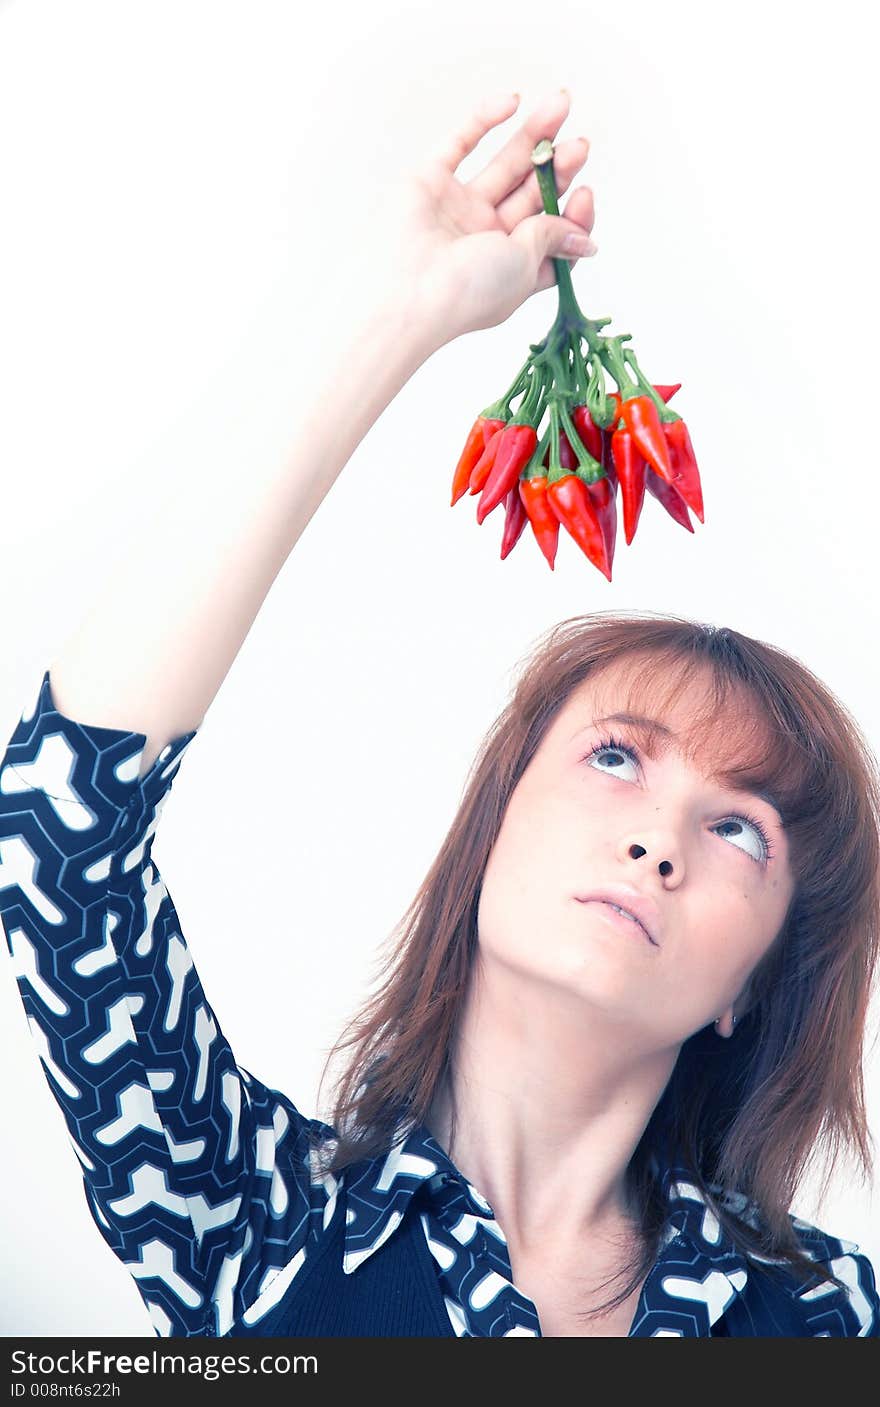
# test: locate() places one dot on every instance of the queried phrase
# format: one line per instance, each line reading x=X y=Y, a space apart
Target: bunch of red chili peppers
x=594 y=441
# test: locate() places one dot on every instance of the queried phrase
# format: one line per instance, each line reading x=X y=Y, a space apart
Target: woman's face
x=658 y=827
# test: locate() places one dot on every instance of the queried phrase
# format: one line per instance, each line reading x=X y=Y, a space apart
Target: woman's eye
x=617 y=759
x=751 y=832
x=614 y=757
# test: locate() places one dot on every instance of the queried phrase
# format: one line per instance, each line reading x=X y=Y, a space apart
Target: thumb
x=544 y=236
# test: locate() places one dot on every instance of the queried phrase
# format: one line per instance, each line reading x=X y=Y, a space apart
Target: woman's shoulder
x=851 y=1312
x=850 y=1309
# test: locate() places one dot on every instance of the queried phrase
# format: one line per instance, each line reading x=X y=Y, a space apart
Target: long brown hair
x=748 y=1114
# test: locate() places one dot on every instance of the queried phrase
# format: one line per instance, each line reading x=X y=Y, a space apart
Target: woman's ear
x=725 y=1024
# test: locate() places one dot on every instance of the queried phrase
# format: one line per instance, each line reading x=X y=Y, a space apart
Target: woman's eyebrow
x=759 y=792
x=653 y=731
x=650 y=727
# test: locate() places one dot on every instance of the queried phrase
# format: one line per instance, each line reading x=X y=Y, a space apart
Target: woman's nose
x=636 y=851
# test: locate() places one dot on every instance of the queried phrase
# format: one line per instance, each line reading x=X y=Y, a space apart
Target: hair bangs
x=736 y=730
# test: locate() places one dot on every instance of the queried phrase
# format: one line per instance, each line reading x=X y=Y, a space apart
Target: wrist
x=410 y=325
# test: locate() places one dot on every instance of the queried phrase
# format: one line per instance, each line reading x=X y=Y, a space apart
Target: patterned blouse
x=199 y=1176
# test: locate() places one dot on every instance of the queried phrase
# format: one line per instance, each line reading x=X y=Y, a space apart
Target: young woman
x=625 y=1009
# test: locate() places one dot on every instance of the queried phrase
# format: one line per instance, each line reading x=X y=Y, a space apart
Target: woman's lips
x=630 y=919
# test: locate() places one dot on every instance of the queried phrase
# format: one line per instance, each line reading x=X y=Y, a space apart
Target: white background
x=192 y=199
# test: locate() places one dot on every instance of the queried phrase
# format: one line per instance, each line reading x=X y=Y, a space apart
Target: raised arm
x=217 y=563
x=196 y=1172
x=463 y=257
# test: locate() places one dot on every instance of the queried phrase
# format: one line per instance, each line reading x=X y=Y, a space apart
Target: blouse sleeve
x=197 y=1175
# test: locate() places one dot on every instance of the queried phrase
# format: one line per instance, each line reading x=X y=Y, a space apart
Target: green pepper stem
x=535 y=465
x=556 y=470
x=597 y=400
x=526 y=413
x=580 y=370
x=588 y=468
x=604 y=353
x=663 y=410
x=612 y=356
x=569 y=316
x=500 y=409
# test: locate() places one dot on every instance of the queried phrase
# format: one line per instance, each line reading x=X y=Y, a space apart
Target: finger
x=578 y=211
x=547 y=272
x=490 y=113
x=581 y=208
x=551 y=235
x=514 y=161
x=526 y=200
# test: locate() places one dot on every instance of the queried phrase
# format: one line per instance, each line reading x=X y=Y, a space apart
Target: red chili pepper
x=602 y=492
x=686 y=475
x=630 y=468
x=545 y=524
x=483 y=466
x=664 y=392
x=515 y=448
x=515 y=519
x=670 y=498
x=607 y=460
x=640 y=417
x=473 y=449
x=567 y=457
x=573 y=506
x=588 y=430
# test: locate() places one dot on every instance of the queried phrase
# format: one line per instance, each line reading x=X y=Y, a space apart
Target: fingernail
x=565 y=93
x=578 y=244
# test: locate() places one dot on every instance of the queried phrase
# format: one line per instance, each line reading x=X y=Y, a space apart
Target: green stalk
x=569 y=318
x=589 y=469
x=582 y=378
x=613 y=358
x=647 y=389
x=555 y=470
x=526 y=413
x=535 y=465
x=500 y=409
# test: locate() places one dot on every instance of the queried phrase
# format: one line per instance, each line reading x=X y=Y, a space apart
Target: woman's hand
x=471 y=252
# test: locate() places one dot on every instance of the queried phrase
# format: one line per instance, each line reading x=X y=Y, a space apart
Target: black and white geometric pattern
x=197 y=1175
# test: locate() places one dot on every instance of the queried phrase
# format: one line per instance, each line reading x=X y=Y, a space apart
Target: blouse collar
x=698 y=1263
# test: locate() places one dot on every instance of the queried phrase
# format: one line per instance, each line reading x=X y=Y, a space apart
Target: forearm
x=384 y=354
x=156 y=645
